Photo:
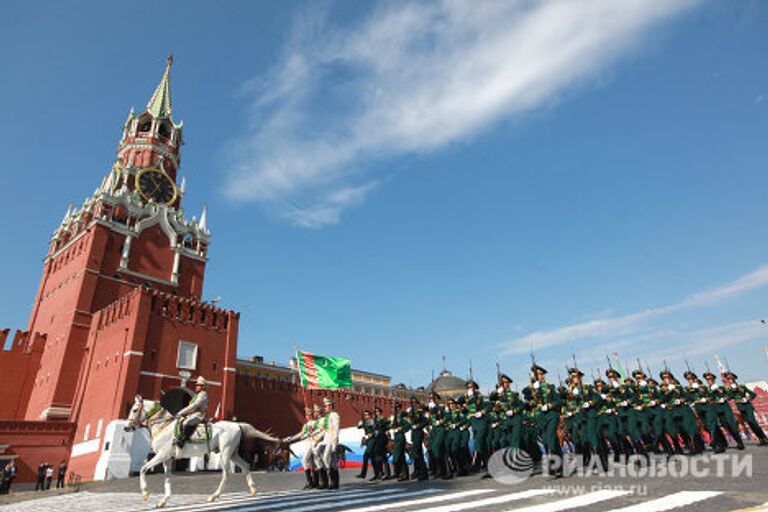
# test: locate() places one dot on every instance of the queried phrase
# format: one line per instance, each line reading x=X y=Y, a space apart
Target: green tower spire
x=160 y=103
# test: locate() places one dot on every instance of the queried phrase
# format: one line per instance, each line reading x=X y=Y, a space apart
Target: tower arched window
x=165 y=130
x=145 y=124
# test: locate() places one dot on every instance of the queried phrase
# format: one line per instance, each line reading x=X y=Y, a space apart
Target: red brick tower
x=119 y=302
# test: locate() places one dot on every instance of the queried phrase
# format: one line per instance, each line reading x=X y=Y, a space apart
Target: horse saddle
x=201 y=434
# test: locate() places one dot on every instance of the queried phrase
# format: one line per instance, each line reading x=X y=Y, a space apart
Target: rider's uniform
x=194 y=413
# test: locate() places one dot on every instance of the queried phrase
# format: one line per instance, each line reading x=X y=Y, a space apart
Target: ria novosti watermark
x=512 y=466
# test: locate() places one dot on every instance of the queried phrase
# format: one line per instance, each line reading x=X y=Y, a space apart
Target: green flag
x=324 y=372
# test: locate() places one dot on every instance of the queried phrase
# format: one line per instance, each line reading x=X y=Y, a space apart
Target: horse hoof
x=212 y=498
x=145 y=495
x=160 y=504
x=253 y=492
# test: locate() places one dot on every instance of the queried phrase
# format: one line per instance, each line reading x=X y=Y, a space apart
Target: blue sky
x=395 y=182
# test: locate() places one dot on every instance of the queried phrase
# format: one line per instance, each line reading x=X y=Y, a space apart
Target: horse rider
x=193 y=414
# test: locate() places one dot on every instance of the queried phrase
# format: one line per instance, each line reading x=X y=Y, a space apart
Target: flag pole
x=298 y=370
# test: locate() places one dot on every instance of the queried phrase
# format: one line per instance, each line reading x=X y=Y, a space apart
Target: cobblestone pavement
x=682 y=485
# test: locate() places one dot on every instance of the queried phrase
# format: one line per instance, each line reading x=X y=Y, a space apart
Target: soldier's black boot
x=447 y=470
x=364 y=467
x=310 y=481
x=323 y=479
x=334 y=479
x=736 y=437
x=587 y=455
x=387 y=470
x=403 y=475
x=315 y=478
x=376 y=471
x=603 y=454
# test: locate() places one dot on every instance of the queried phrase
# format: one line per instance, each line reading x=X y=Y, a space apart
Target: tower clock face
x=155 y=185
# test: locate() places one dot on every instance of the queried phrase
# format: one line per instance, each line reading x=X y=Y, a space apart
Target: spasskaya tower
x=120 y=299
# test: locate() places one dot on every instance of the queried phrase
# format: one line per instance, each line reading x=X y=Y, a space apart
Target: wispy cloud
x=410 y=78
x=633 y=324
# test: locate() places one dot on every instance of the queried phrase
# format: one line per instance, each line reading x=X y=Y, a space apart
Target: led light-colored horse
x=226 y=437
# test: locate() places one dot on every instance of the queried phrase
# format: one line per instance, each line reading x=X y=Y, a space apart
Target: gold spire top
x=160 y=103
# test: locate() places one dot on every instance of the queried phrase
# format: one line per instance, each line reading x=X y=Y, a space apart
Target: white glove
x=545 y=408
x=576 y=391
x=478 y=415
x=585 y=405
x=536 y=385
x=510 y=413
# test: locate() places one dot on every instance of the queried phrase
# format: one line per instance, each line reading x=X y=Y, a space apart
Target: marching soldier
x=643 y=397
x=418 y=422
x=478 y=408
x=381 y=457
x=621 y=400
x=399 y=425
x=545 y=407
x=193 y=414
x=369 y=439
x=679 y=419
x=512 y=422
x=742 y=396
x=605 y=421
x=699 y=395
x=454 y=422
x=722 y=414
x=437 y=437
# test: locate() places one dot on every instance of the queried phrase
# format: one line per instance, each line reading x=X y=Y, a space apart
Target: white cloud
x=633 y=324
x=414 y=77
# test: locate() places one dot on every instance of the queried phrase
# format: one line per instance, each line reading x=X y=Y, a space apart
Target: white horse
x=226 y=437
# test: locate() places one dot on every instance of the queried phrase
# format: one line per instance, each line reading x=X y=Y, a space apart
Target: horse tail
x=250 y=442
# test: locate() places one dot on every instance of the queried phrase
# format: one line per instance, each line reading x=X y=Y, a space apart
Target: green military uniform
x=545 y=405
x=368 y=425
x=452 y=420
x=721 y=414
x=742 y=396
x=478 y=408
x=512 y=419
x=418 y=422
x=437 y=438
x=605 y=421
x=679 y=419
x=399 y=425
x=699 y=395
x=380 y=456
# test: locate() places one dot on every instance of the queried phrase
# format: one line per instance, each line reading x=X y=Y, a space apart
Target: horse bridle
x=145 y=421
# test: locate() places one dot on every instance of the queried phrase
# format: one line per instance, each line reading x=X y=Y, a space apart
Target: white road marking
x=282 y=501
x=576 y=501
x=496 y=500
x=669 y=502
x=422 y=501
x=349 y=502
